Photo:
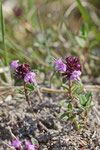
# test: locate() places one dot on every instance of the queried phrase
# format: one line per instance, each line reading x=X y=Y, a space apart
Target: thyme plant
x=78 y=102
x=24 y=73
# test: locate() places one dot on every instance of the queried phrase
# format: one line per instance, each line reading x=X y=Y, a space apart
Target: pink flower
x=16 y=143
x=75 y=75
x=29 y=77
x=29 y=146
x=14 y=64
x=60 y=65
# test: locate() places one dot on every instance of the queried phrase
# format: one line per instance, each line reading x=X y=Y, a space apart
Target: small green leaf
x=36 y=71
x=64 y=80
x=81 y=108
x=62 y=102
x=77 y=88
x=74 y=95
x=45 y=148
x=20 y=91
x=63 y=115
x=83 y=100
x=90 y=107
x=88 y=95
x=65 y=87
x=92 y=44
x=89 y=101
x=76 y=124
x=30 y=87
x=81 y=41
x=59 y=115
x=17 y=98
x=70 y=107
x=84 y=31
x=34 y=141
x=71 y=117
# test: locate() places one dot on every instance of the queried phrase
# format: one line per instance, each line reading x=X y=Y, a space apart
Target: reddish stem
x=70 y=88
x=26 y=96
x=19 y=148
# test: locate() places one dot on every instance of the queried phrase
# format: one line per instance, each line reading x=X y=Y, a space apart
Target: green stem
x=70 y=88
x=26 y=96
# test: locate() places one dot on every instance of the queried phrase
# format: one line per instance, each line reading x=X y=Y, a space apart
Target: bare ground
x=60 y=135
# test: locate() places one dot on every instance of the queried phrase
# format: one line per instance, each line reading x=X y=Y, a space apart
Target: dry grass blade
x=94 y=57
x=6 y=145
x=6 y=72
x=10 y=131
x=95 y=88
x=4 y=69
x=38 y=90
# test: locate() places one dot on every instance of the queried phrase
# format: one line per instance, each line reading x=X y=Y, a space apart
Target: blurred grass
x=96 y=3
x=68 y=32
x=36 y=35
x=89 y=20
x=84 y=13
x=3 y=35
x=32 y=13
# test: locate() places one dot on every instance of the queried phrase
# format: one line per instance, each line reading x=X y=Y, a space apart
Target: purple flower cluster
x=28 y=145
x=18 y=12
x=71 y=68
x=23 y=71
x=73 y=64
